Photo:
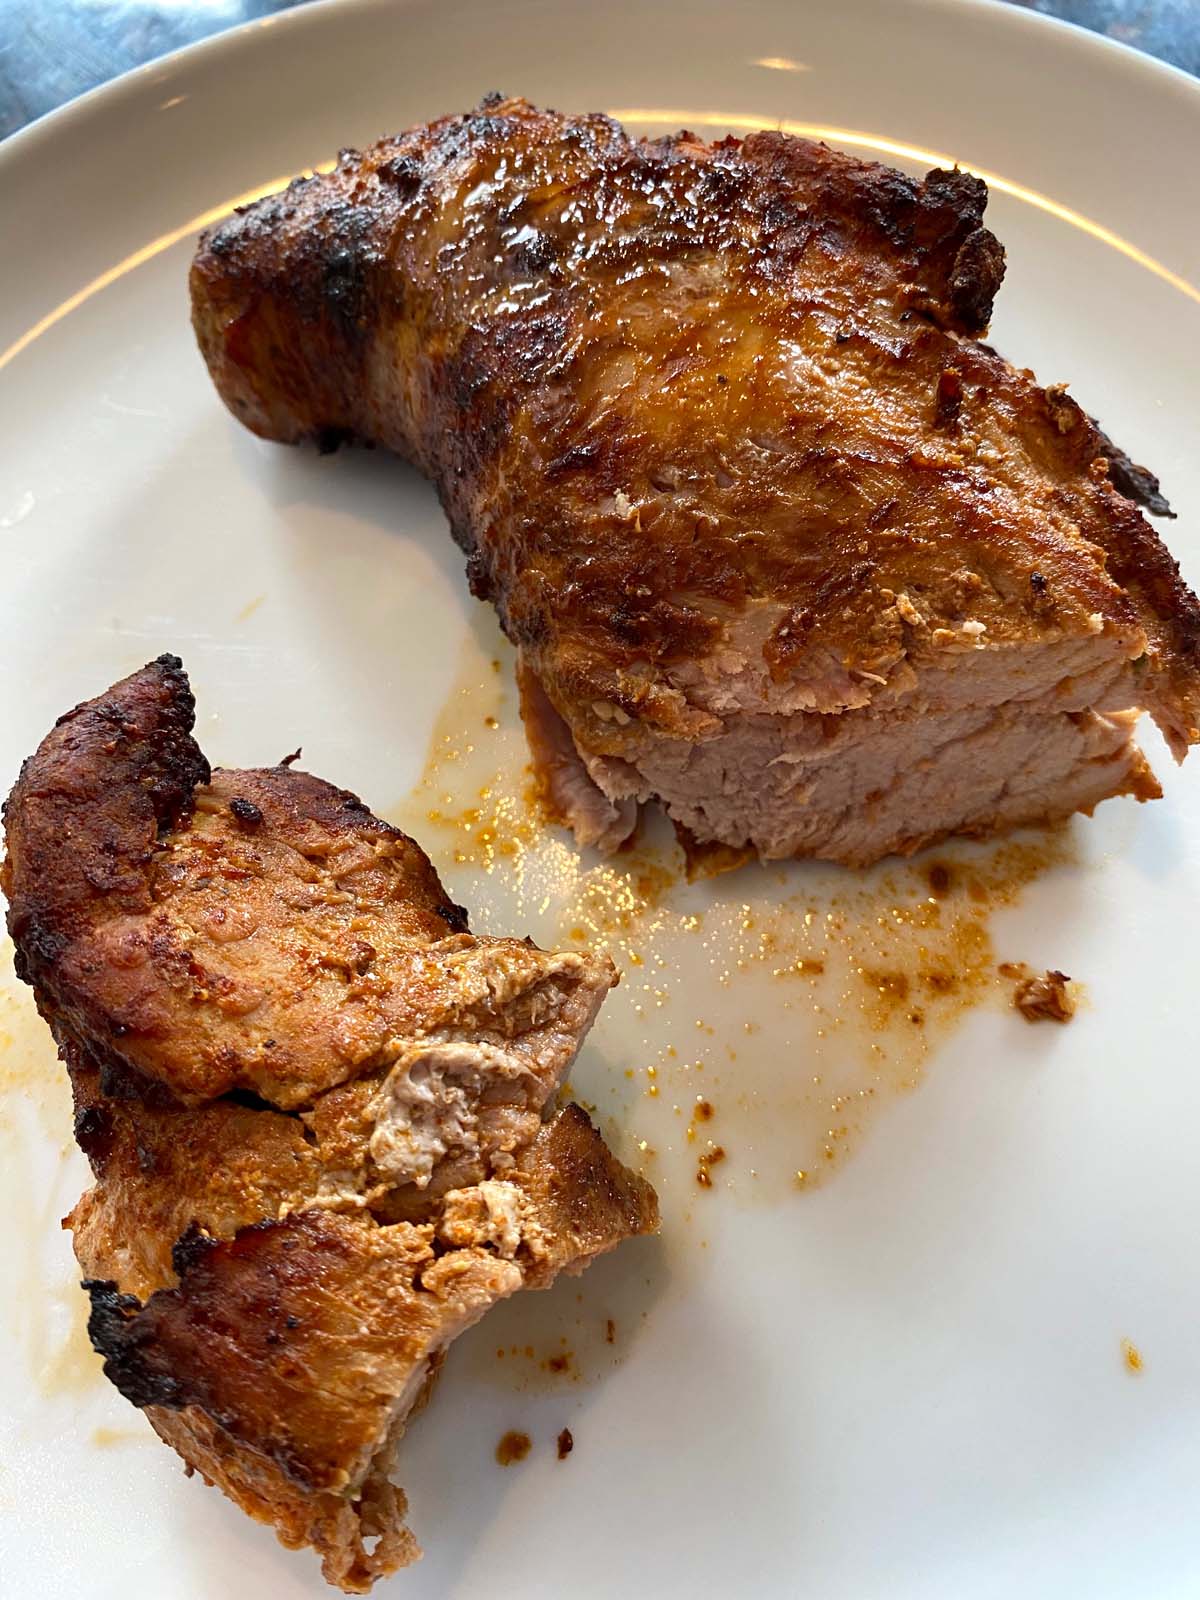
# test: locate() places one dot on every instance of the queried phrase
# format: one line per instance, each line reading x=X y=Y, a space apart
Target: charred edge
x=94 y=1134
x=455 y=917
x=119 y=1080
x=328 y=441
x=975 y=279
x=191 y=1248
x=117 y=1337
x=403 y=173
x=180 y=765
x=1135 y=482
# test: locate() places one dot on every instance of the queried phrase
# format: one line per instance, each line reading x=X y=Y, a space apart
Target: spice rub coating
x=766 y=520
x=321 y=1116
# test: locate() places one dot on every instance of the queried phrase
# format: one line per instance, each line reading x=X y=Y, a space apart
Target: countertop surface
x=53 y=50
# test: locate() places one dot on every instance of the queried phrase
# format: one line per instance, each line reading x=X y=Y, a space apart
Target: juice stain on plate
x=763 y=1015
x=39 y=1181
x=29 y=1064
x=109 y=1438
x=62 y=1358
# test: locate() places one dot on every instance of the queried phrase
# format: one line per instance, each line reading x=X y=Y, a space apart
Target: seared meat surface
x=780 y=543
x=321 y=1115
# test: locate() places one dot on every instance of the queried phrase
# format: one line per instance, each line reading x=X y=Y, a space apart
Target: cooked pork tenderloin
x=321 y=1115
x=780 y=544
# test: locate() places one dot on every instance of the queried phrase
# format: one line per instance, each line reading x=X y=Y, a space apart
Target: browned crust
x=263 y=1334
x=114 y=775
x=686 y=294
x=582 y=1199
x=161 y=939
x=336 y=1528
x=263 y=1330
x=277 y=1329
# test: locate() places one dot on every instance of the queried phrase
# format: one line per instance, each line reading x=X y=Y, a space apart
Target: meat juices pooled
x=321 y=1114
x=780 y=544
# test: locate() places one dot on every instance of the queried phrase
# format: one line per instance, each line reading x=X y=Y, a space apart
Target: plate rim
x=316 y=13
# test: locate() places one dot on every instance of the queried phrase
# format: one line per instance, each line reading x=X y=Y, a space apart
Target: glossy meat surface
x=320 y=1114
x=715 y=428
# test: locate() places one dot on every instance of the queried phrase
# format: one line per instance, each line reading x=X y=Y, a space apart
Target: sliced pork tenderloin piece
x=715 y=427
x=322 y=1117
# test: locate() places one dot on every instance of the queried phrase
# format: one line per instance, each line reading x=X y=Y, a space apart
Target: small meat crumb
x=566 y=1443
x=707 y=1161
x=513 y=1447
x=908 y=611
x=610 y=1331
x=1045 y=999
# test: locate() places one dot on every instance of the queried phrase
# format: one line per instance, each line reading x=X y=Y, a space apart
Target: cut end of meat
x=595 y=817
x=958 y=737
x=781 y=545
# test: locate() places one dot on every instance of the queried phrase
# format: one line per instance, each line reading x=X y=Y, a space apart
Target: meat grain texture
x=322 y=1116
x=780 y=543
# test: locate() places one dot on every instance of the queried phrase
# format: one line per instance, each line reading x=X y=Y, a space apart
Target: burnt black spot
x=40 y=943
x=192 y=1247
x=948 y=398
x=455 y=917
x=536 y=254
x=246 y=812
x=94 y=1133
x=479 y=575
x=482 y=127
x=720 y=183
x=1037 y=583
x=121 y=1081
x=781 y=211
x=579 y=455
x=403 y=173
x=342 y=283
x=888 y=200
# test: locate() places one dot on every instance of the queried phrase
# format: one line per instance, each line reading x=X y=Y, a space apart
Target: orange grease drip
x=513 y=1447
x=1131 y=1356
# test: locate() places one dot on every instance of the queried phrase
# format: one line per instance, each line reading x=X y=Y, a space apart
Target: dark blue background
x=52 y=50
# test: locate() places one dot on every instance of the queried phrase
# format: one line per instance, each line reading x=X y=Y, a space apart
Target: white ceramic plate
x=907 y=1382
